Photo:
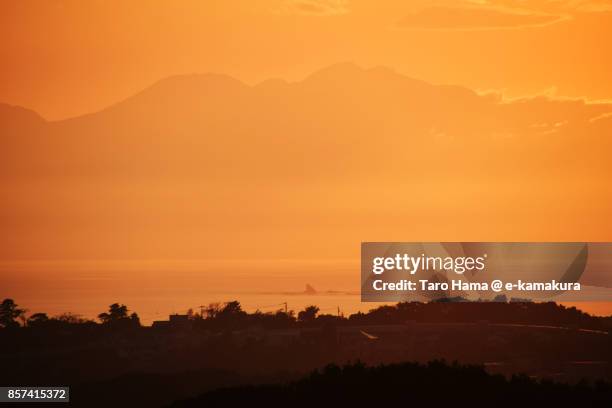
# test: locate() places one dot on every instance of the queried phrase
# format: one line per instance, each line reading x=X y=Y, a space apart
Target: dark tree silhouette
x=309 y=314
x=9 y=313
x=211 y=311
x=115 y=312
x=38 y=319
x=71 y=318
x=135 y=319
x=117 y=315
x=232 y=308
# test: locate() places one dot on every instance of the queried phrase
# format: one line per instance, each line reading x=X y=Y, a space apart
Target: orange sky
x=180 y=166
x=65 y=58
x=206 y=166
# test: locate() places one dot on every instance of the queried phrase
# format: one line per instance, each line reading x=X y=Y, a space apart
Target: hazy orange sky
x=207 y=166
x=65 y=58
x=177 y=164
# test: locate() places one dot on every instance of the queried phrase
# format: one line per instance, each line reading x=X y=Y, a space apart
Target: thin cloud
x=315 y=7
x=594 y=6
x=476 y=17
x=548 y=6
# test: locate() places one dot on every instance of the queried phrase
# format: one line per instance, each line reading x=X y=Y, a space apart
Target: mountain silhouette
x=18 y=119
x=200 y=165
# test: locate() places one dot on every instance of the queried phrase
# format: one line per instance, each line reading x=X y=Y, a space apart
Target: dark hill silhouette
x=434 y=384
x=223 y=345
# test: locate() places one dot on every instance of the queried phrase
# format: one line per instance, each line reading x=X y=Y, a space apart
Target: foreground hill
x=434 y=384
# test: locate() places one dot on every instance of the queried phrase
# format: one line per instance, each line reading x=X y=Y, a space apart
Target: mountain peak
x=339 y=70
x=206 y=79
x=12 y=116
x=351 y=74
x=189 y=90
x=192 y=84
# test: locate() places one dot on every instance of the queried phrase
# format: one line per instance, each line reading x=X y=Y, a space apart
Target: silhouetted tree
x=117 y=316
x=115 y=312
x=309 y=314
x=211 y=311
x=232 y=308
x=71 y=318
x=9 y=312
x=38 y=319
x=135 y=319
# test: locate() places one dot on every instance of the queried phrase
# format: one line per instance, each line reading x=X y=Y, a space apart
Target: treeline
x=12 y=316
x=231 y=316
x=433 y=384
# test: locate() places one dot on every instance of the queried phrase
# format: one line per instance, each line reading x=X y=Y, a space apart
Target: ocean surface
x=155 y=289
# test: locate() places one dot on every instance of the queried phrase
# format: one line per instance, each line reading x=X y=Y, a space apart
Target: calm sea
x=155 y=289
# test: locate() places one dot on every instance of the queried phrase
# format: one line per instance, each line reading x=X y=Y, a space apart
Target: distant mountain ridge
x=14 y=117
x=205 y=165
